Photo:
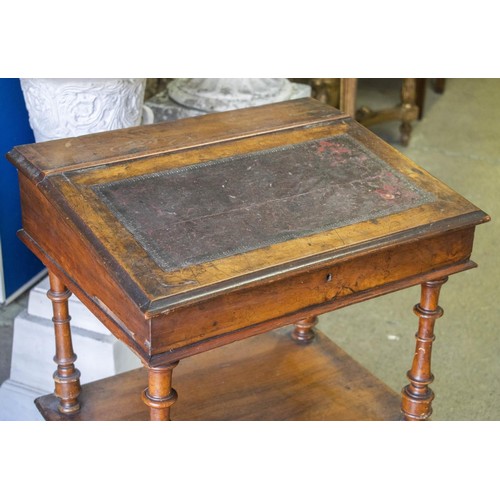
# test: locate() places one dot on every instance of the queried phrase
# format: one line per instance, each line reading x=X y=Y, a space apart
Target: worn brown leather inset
x=210 y=210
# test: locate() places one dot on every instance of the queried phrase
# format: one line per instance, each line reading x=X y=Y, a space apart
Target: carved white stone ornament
x=187 y=97
x=68 y=107
x=223 y=94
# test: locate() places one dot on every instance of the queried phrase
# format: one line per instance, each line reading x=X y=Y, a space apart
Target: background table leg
x=159 y=395
x=66 y=377
x=408 y=107
x=417 y=396
x=304 y=330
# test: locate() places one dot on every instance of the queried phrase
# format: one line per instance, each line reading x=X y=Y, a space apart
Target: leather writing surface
x=210 y=210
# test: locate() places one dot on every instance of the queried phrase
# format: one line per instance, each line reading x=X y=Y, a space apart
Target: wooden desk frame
x=167 y=316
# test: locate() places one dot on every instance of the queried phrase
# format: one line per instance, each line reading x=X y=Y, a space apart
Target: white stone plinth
x=100 y=354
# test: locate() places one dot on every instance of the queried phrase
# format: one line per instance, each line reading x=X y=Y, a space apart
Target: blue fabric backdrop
x=19 y=264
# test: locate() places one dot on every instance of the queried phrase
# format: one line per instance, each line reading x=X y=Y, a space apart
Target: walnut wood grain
x=90 y=278
x=151 y=289
x=159 y=395
x=267 y=377
x=66 y=377
x=63 y=155
x=323 y=285
x=417 y=396
x=304 y=332
x=384 y=224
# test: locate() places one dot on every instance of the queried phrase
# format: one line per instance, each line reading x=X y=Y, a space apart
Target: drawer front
x=324 y=286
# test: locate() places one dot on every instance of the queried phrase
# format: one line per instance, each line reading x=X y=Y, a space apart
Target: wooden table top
x=173 y=213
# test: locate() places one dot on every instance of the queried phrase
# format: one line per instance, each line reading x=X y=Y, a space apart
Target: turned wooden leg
x=417 y=396
x=409 y=108
x=159 y=395
x=304 y=332
x=66 y=377
x=420 y=96
x=439 y=85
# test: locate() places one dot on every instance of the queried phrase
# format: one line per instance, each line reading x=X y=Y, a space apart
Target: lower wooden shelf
x=267 y=377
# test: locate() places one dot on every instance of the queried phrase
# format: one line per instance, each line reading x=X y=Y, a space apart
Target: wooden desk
x=188 y=236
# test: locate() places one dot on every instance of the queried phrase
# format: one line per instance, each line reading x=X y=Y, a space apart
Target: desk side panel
x=63 y=250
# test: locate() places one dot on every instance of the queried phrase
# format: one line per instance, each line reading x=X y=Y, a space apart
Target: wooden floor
x=267 y=377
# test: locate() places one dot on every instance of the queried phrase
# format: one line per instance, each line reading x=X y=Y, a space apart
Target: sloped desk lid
x=204 y=204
